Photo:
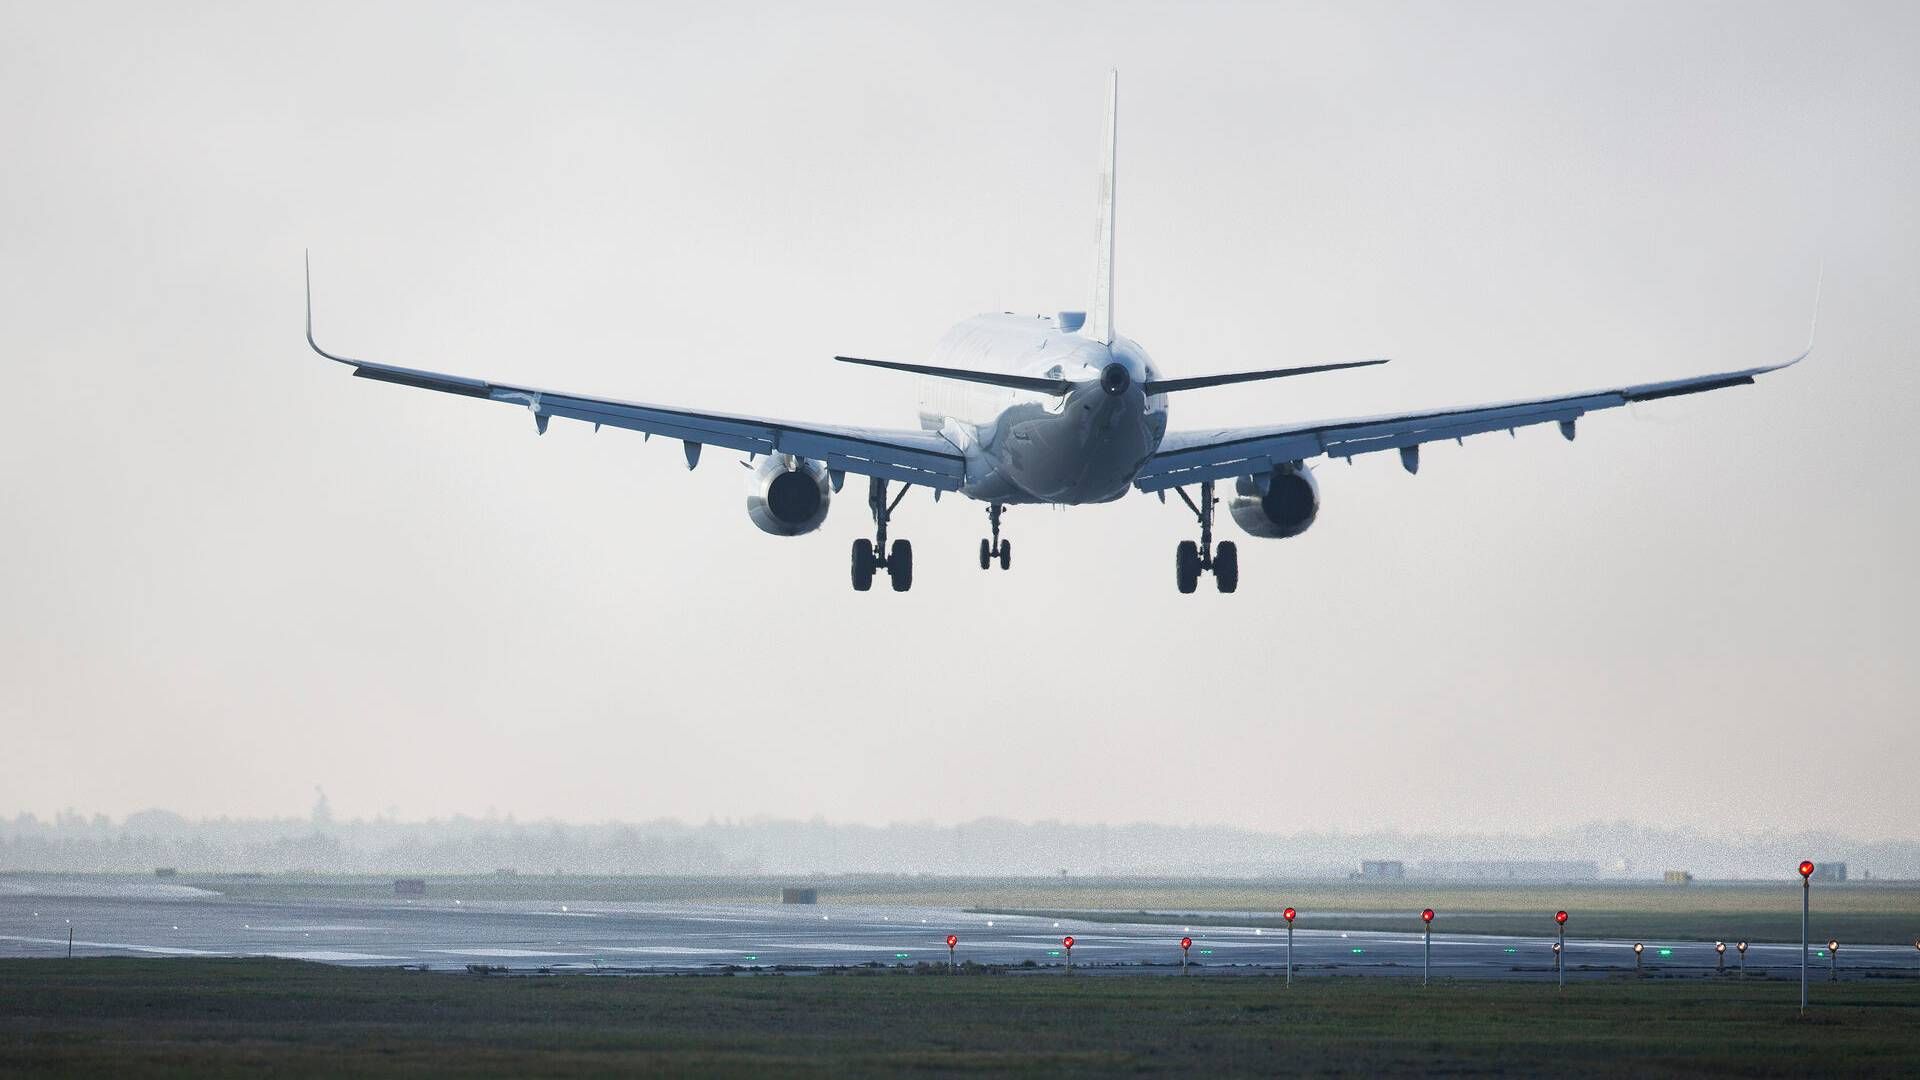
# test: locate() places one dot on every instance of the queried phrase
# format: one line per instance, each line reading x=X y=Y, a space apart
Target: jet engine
x=788 y=496
x=1286 y=508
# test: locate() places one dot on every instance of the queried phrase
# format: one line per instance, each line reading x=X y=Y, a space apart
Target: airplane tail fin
x=1099 y=325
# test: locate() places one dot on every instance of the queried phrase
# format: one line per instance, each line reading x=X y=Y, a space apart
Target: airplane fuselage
x=1027 y=447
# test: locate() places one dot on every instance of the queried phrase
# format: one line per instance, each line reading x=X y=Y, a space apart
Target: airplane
x=1052 y=408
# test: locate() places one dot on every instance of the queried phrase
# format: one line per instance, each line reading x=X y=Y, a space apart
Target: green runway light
x=1512 y=950
x=1053 y=952
x=1819 y=952
x=900 y=956
x=1206 y=952
x=1666 y=952
x=1357 y=952
x=751 y=956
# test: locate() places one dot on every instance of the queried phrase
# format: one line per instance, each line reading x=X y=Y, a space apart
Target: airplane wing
x=913 y=457
x=1189 y=457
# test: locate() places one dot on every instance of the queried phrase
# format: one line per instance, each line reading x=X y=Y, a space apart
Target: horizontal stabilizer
x=1169 y=386
x=991 y=378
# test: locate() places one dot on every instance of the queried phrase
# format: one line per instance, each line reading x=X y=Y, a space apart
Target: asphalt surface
x=138 y=919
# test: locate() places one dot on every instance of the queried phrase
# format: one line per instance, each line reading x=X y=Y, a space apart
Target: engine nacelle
x=1286 y=508
x=788 y=496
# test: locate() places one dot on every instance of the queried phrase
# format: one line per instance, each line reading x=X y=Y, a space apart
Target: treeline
x=72 y=842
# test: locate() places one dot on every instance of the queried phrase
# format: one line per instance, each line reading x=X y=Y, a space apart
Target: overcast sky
x=233 y=573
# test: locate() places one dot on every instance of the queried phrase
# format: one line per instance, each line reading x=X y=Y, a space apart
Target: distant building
x=1829 y=871
x=799 y=896
x=1382 y=870
x=1535 y=870
x=164 y=871
x=1677 y=877
x=409 y=886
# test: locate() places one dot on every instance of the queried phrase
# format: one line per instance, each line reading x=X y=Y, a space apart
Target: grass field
x=232 y=1017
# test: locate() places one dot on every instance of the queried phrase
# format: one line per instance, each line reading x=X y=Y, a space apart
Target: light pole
x=1289 y=914
x=1185 y=944
x=1559 y=948
x=1806 y=894
x=1833 y=961
x=1719 y=958
x=1743 y=958
x=952 y=940
x=1426 y=955
x=1638 y=948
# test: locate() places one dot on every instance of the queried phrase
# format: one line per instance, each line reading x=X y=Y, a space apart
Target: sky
x=233 y=573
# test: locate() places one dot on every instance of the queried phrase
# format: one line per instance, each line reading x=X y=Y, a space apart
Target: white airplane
x=1046 y=409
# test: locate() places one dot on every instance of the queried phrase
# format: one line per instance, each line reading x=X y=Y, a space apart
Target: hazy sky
x=232 y=572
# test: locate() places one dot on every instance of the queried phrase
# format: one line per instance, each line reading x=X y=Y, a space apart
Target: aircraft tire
x=1186 y=565
x=1226 y=566
x=862 y=564
x=986 y=553
x=900 y=565
x=1006 y=554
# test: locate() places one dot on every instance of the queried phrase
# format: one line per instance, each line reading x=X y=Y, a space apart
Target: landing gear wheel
x=986 y=553
x=1006 y=554
x=900 y=565
x=1226 y=566
x=1186 y=564
x=862 y=565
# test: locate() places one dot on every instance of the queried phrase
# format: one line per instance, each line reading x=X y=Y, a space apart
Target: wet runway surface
x=449 y=933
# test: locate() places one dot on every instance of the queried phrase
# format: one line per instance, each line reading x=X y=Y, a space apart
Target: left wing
x=909 y=456
x=1188 y=457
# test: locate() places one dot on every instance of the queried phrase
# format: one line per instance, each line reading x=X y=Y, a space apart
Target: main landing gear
x=995 y=548
x=871 y=555
x=1191 y=560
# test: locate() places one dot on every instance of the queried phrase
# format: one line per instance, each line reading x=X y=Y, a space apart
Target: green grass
x=228 y=1017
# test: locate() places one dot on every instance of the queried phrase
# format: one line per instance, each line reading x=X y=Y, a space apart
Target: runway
x=140 y=919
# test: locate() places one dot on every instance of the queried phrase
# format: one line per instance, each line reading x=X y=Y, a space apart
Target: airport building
x=1527 y=870
x=1382 y=870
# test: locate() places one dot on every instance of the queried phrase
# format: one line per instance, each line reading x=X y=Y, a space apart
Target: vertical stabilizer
x=1099 y=325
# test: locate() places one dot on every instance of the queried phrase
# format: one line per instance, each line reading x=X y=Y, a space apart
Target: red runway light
x=1427 y=915
x=1806 y=869
x=1289 y=917
x=1560 y=917
x=1067 y=941
x=1186 y=943
x=952 y=940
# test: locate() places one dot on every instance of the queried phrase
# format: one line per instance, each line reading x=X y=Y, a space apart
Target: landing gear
x=996 y=548
x=871 y=555
x=1190 y=560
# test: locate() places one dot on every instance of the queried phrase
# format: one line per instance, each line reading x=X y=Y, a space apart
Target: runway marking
x=671 y=950
x=508 y=953
x=329 y=956
x=161 y=950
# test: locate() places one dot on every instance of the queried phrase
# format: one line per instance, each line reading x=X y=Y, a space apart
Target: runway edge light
x=1289 y=917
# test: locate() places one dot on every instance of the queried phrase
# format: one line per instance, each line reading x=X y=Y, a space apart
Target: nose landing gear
x=1191 y=559
x=871 y=555
x=996 y=548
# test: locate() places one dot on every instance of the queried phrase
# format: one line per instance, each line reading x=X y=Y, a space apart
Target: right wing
x=1189 y=457
x=909 y=456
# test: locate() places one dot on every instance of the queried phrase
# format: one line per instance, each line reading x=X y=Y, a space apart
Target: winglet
x=1819 y=286
x=307 y=258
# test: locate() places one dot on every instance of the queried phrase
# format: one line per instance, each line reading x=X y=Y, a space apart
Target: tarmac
x=439 y=932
